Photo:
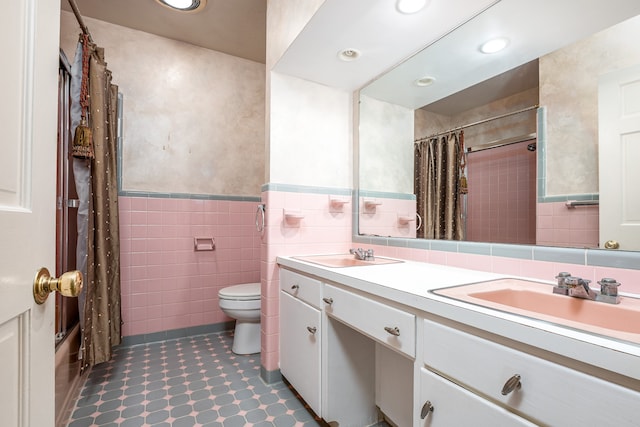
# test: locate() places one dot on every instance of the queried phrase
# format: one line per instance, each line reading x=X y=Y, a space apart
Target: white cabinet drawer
x=300 y=348
x=388 y=325
x=303 y=287
x=550 y=394
x=453 y=406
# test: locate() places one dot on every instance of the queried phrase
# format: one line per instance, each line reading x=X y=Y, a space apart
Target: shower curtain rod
x=479 y=122
x=83 y=26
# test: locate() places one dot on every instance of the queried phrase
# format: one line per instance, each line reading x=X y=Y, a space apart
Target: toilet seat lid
x=245 y=291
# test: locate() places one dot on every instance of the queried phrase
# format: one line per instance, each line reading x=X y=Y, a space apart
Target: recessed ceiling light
x=184 y=5
x=425 y=81
x=494 y=45
x=411 y=6
x=349 y=54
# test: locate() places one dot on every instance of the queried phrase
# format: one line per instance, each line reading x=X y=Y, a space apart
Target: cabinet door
x=300 y=348
x=455 y=406
x=548 y=392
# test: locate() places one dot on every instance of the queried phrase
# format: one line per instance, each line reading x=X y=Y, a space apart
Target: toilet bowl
x=242 y=302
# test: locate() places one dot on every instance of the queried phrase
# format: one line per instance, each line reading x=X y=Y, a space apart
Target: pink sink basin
x=346 y=260
x=536 y=300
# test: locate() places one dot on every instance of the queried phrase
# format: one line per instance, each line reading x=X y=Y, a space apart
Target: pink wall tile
x=321 y=231
x=558 y=225
x=164 y=278
x=502 y=195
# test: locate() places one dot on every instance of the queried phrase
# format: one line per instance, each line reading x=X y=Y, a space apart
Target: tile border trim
x=176 y=333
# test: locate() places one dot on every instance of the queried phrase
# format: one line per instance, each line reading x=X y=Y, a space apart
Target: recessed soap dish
x=204 y=243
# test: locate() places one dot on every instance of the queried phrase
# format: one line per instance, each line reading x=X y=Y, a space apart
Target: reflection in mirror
x=521 y=164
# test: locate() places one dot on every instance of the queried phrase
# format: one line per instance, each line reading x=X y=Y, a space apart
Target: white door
x=619 y=151
x=29 y=34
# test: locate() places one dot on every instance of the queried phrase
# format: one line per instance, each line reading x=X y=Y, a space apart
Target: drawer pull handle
x=328 y=300
x=312 y=329
x=512 y=384
x=393 y=331
x=295 y=287
x=426 y=409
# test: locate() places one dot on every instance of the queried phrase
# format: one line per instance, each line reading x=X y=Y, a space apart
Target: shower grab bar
x=573 y=203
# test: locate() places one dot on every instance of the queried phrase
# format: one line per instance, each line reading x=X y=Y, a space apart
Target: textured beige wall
x=569 y=90
x=386 y=146
x=193 y=118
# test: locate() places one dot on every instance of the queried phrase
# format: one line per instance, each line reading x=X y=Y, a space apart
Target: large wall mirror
x=547 y=130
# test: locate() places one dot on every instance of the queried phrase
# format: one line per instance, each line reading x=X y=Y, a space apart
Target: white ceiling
x=383 y=35
x=534 y=29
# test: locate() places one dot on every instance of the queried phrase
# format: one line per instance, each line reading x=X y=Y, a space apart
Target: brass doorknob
x=69 y=284
x=611 y=244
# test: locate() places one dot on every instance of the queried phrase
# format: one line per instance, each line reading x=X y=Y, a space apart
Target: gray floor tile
x=186 y=382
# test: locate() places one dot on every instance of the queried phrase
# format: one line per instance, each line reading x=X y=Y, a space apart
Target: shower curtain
x=437 y=186
x=98 y=227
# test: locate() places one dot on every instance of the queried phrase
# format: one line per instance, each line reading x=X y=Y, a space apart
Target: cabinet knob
x=426 y=409
x=295 y=287
x=312 y=329
x=512 y=384
x=393 y=331
x=328 y=300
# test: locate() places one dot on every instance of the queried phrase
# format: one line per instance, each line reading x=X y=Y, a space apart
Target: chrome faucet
x=361 y=254
x=579 y=288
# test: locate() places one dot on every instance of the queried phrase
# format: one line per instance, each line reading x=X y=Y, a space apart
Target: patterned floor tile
x=193 y=381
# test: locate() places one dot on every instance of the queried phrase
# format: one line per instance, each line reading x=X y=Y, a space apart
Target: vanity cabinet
x=386 y=324
x=329 y=364
x=331 y=354
x=351 y=354
x=300 y=335
x=444 y=403
x=544 y=392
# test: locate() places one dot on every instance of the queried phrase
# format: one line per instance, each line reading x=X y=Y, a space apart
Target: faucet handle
x=609 y=286
x=561 y=287
x=561 y=276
